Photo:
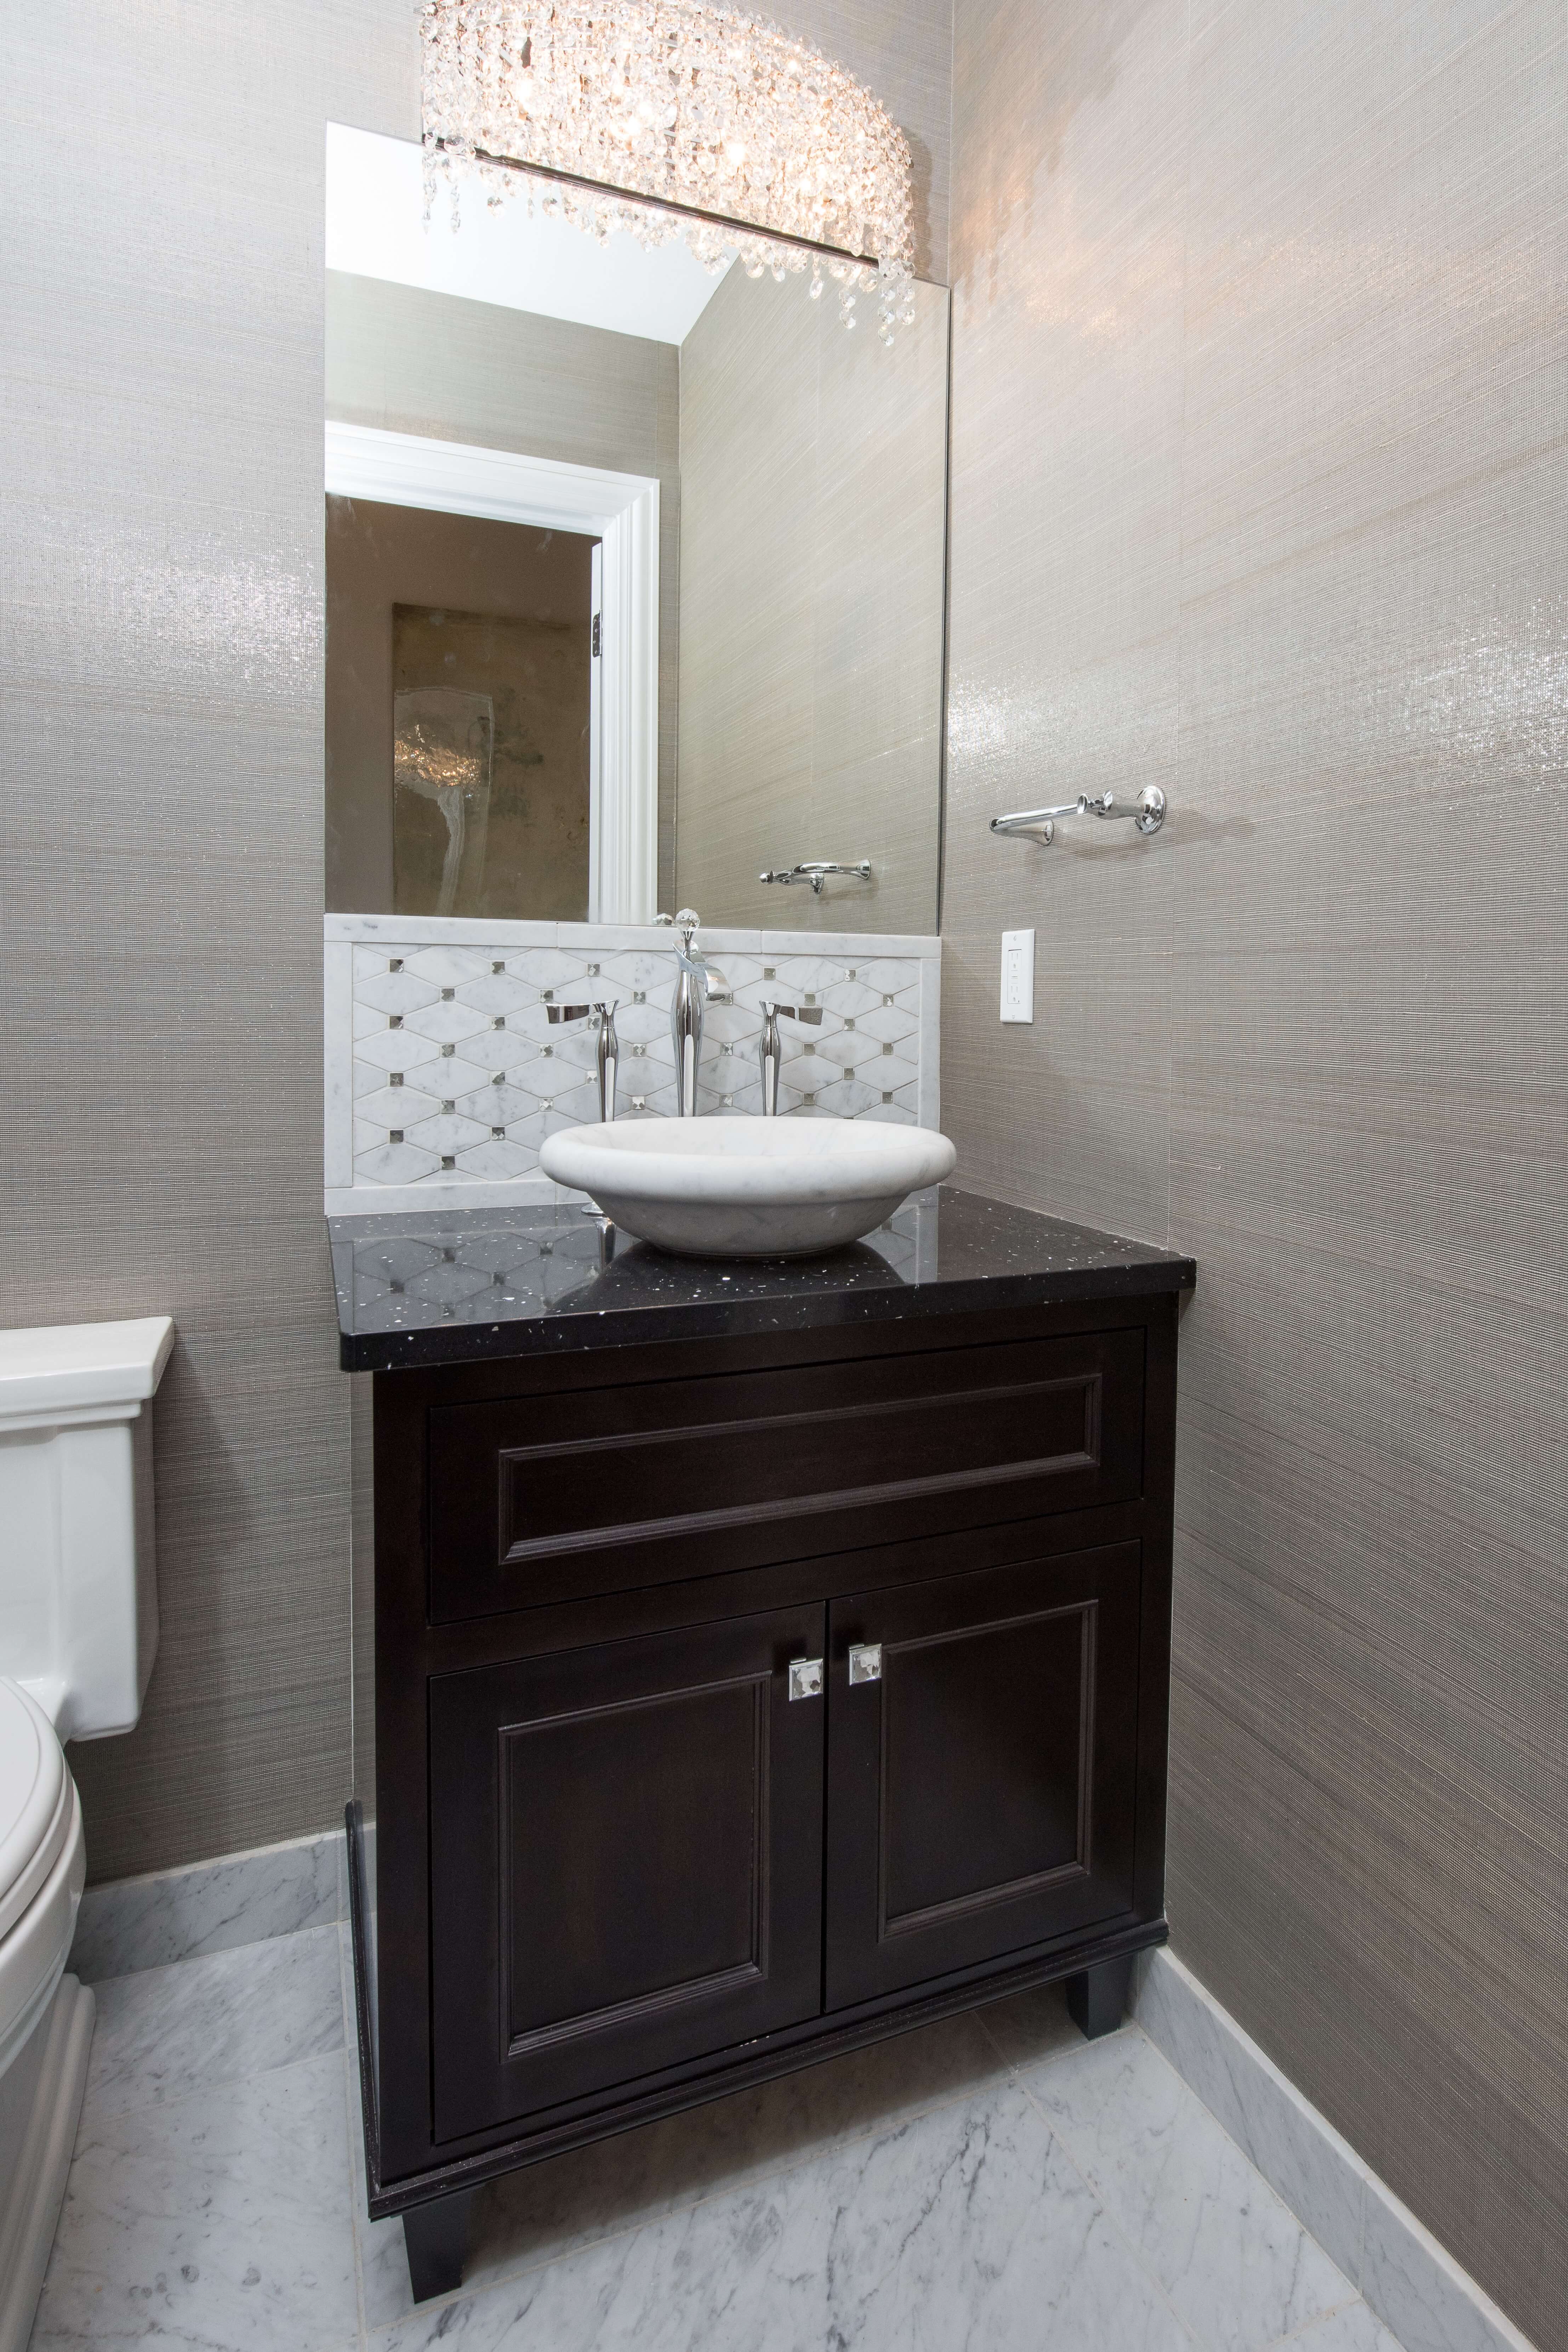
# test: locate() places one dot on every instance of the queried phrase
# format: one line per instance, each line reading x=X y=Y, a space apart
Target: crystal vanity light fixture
x=674 y=118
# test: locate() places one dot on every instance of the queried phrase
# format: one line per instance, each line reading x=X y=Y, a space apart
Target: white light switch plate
x=1017 y=975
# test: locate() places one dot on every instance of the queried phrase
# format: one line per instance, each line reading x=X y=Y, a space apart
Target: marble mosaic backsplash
x=445 y=1075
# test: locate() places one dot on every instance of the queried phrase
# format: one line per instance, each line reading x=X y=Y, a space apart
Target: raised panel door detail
x=626 y=1862
x=982 y=1789
x=544 y=1498
x=1009 y=1705
x=612 y=1907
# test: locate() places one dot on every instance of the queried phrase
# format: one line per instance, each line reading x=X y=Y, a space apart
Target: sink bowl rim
x=670 y=1159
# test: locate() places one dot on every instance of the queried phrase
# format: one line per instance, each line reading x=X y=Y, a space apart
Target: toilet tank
x=78 y=1592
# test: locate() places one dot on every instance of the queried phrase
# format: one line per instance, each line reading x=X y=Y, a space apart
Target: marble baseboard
x=1406 y=2278
x=132 y=1924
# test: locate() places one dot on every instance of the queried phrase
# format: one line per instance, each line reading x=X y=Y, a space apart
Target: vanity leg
x=1097 y=1998
x=435 y=2237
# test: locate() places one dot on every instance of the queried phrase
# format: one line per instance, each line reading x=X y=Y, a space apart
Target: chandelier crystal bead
x=674 y=118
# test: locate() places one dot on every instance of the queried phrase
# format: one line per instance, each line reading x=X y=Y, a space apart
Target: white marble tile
x=1353 y=2328
x=929 y=1056
x=1236 y=2264
x=1029 y=2028
x=166 y=2033
x=144 y=1923
x=392 y=932
x=966 y=2227
x=553 y=2209
x=447 y=964
x=1420 y=2292
x=1302 y=2158
x=219 y=2221
x=340 y=1017
x=448 y=996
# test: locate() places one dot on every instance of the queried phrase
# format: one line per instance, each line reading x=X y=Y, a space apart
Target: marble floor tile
x=219 y=2220
x=1317 y=2174
x=536 y=2215
x=1425 y=2296
x=211 y=1907
x=1030 y=2027
x=166 y=2032
x=967 y=2228
x=1353 y=2328
x=986 y=2183
x=1235 y=2264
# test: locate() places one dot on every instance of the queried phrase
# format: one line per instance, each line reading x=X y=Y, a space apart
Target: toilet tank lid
x=74 y=1367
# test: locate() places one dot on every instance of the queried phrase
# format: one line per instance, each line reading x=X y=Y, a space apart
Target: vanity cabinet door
x=626 y=1862
x=981 y=1766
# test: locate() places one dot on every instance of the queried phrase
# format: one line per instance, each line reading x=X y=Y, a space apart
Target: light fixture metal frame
x=674 y=118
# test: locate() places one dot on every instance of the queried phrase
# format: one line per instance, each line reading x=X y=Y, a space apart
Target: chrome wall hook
x=816 y=871
x=1039 y=825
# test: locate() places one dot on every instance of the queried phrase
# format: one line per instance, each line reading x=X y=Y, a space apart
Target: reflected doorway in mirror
x=620 y=512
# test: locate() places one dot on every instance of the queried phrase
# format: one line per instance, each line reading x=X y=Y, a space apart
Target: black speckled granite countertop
x=457 y=1286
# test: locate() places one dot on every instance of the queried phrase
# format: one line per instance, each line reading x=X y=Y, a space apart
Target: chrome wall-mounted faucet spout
x=768 y=1053
x=699 y=984
x=609 y=1046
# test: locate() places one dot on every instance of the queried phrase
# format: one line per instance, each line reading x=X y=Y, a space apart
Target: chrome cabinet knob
x=866 y=1663
x=805 y=1678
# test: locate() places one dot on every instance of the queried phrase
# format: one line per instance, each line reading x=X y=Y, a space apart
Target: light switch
x=1017 y=975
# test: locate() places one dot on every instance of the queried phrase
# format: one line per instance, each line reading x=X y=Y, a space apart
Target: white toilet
x=78 y=1628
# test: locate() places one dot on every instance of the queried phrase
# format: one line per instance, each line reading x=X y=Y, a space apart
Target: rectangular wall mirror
x=635 y=576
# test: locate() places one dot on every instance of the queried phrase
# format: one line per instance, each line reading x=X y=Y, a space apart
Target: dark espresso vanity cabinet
x=750 y=1662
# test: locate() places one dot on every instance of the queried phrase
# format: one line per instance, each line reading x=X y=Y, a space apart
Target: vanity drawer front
x=546 y=1498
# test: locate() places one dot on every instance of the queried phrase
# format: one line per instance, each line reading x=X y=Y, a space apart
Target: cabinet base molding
x=1108 y=1958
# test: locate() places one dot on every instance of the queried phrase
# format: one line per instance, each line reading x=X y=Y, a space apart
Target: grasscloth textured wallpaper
x=813 y=571
x=1260 y=456
x=161 y=569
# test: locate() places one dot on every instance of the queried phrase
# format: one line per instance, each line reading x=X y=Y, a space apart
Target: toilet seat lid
x=33 y=1786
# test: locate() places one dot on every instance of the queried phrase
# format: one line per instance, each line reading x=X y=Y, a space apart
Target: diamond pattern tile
x=395 y=1049
x=473 y=1032
x=395 y=991
x=447 y=1020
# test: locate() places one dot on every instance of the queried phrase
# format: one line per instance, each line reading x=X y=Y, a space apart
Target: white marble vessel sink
x=748 y=1187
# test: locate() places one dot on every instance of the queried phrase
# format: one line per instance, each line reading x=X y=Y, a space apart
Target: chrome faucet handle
x=808 y=1013
x=609 y=1048
x=768 y=1053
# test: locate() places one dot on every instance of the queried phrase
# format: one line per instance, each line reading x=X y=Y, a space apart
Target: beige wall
x=161 y=390
x=410 y=361
x=1261 y=454
x=813 y=485
x=160 y=941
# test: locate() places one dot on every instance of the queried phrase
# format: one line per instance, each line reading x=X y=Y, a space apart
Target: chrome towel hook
x=816 y=871
x=1147 y=813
